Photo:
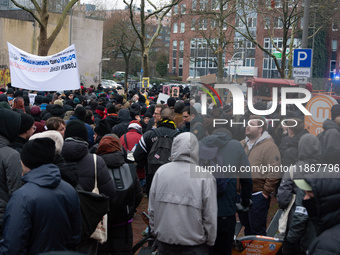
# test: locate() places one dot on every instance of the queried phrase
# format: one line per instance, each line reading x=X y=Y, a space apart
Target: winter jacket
x=301 y=230
x=290 y=156
x=121 y=128
x=116 y=160
x=18 y=143
x=326 y=192
x=90 y=132
x=183 y=210
x=145 y=143
x=68 y=171
x=77 y=151
x=55 y=111
x=10 y=166
x=234 y=156
x=197 y=129
x=112 y=120
x=43 y=215
x=178 y=118
x=331 y=135
x=263 y=153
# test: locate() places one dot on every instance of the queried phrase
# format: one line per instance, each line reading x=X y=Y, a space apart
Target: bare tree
x=120 y=39
x=285 y=15
x=144 y=18
x=41 y=15
x=211 y=23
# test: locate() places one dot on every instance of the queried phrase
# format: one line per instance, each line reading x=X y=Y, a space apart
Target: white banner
x=50 y=73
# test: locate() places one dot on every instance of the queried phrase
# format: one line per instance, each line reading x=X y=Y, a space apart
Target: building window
x=239 y=22
x=213 y=23
x=182 y=28
x=203 y=24
x=183 y=8
x=194 y=5
x=252 y=22
x=335 y=25
x=203 y=4
x=266 y=43
x=334 y=45
x=266 y=22
x=250 y=61
x=239 y=43
x=193 y=24
x=175 y=28
x=214 y=5
x=332 y=68
x=181 y=45
x=278 y=22
x=176 y=9
x=174 y=45
x=250 y=45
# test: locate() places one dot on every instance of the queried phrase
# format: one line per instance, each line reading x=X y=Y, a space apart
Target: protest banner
x=175 y=92
x=162 y=97
x=44 y=73
x=166 y=89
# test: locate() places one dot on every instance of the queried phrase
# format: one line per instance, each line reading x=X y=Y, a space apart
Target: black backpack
x=123 y=204
x=160 y=152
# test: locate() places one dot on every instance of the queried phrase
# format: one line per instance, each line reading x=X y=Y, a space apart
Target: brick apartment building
x=191 y=57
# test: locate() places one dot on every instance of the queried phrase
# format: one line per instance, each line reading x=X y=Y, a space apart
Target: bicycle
x=148 y=244
x=247 y=245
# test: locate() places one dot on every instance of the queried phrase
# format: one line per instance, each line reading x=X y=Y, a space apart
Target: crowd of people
x=162 y=144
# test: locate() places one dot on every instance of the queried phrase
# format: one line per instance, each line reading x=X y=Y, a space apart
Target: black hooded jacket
x=10 y=167
x=327 y=223
x=77 y=151
x=122 y=127
x=290 y=156
x=55 y=111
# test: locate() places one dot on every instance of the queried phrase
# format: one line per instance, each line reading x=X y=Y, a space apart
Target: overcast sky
x=111 y=4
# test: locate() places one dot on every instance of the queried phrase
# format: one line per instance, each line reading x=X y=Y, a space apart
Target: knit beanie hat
x=80 y=113
x=76 y=128
x=38 y=152
x=58 y=102
x=55 y=136
x=103 y=128
x=27 y=122
x=5 y=105
x=171 y=101
x=148 y=114
x=111 y=109
x=335 y=111
x=134 y=124
x=10 y=91
x=35 y=110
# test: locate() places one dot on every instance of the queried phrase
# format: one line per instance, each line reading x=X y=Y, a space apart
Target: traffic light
x=273 y=4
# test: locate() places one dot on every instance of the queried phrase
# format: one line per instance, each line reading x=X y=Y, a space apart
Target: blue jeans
x=255 y=222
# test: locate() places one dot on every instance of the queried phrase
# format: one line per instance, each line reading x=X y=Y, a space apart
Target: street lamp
x=100 y=67
x=242 y=56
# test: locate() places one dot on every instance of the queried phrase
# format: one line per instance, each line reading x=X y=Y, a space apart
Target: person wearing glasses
x=27 y=129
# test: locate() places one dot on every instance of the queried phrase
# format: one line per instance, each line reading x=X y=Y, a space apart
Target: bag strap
x=95 y=170
x=127 y=147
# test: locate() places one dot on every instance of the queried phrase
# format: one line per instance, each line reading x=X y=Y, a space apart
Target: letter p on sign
x=303 y=58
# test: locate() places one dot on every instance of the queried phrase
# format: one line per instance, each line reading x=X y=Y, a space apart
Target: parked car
x=118 y=74
x=108 y=84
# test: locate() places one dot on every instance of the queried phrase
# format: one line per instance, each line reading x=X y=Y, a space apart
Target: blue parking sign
x=303 y=58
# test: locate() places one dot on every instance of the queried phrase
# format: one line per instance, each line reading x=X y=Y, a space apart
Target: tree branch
x=29 y=11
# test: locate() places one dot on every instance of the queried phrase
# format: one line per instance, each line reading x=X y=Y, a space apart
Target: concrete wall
x=86 y=34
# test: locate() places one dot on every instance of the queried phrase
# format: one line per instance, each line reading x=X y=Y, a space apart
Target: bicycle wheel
x=147 y=246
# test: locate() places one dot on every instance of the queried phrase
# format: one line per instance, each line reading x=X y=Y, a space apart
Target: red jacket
x=132 y=138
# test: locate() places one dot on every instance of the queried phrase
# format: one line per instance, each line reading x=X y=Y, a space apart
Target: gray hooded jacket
x=183 y=208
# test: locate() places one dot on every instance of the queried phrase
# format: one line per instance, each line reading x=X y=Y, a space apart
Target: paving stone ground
x=138 y=224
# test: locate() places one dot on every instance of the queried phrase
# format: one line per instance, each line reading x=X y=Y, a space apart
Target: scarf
x=167 y=123
x=108 y=144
